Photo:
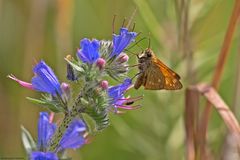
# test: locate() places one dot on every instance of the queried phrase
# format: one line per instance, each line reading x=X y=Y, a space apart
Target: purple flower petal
x=43 y=156
x=90 y=50
x=117 y=92
x=73 y=138
x=45 y=130
x=120 y=42
x=45 y=79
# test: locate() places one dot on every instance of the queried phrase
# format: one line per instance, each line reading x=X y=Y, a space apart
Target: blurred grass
x=34 y=30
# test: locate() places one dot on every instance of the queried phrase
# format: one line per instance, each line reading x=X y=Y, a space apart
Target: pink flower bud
x=101 y=63
x=123 y=58
x=65 y=87
x=66 y=90
x=104 y=84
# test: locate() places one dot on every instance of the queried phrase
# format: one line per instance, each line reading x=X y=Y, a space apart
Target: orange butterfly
x=154 y=75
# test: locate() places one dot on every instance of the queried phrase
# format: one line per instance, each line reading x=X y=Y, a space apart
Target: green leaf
x=28 y=142
x=75 y=66
x=51 y=105
x=100 y=118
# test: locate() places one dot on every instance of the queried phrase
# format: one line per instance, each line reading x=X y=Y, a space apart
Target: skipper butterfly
x=154 y=74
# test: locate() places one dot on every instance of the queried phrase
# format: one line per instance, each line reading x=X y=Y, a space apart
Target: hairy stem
x=68 y=118
x=60 y=132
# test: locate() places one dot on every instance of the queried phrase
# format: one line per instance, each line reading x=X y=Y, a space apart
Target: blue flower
x=45 y=130
x=90 y=50
x=121 y=41
x=116 y=93
x=117 y=99
x=45 y=79
x=73 y=138
x=43 y=156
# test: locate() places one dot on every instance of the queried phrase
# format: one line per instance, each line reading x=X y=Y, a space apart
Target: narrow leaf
x=55 y=107
x=28 y=142
x=75 y=66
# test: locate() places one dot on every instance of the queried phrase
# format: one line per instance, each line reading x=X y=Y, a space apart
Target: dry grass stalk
x=192 y=126
x=219 y=69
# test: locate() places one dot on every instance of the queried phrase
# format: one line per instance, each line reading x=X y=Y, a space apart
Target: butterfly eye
x=149 y=54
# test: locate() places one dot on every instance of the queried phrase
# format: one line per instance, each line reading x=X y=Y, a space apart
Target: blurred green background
x=31 y=30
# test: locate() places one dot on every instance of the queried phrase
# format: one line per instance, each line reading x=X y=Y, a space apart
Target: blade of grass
x=230 y=147
x=222 y=108
x=218 y=71
x=236 y=101
x=193 y=139
x=191 y=121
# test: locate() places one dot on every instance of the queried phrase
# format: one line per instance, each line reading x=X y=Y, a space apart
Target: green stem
x=60 y=132
x=68 y=118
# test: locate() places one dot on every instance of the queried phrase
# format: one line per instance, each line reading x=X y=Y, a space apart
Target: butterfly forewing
x=154 y=79
x=171 y=79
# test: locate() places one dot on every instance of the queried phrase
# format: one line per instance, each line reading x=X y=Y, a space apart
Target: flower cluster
x=72 y=138
x=86 y=94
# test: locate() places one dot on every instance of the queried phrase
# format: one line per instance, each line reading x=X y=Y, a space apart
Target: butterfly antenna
x=135 y=54
x=113 y=23
x=149 y=41
x=131 y=18
x=137 y=42
x=140 y=47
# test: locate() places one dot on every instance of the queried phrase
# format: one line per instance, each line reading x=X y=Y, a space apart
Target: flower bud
x=104 y=84
x=123 y=58
x=101 y=63
x=66 y=90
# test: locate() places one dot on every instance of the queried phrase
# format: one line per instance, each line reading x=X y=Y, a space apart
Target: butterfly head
x=145 y=55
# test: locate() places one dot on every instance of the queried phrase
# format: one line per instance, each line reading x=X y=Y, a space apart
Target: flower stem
x=60 y=132
x=68 y=118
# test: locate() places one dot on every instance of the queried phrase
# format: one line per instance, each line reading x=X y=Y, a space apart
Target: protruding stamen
x=124 y=20
x=129 y=107
x=51 y=116
x=113 y=23
x=127 y=100
x=22 y=83
x=134 y=24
